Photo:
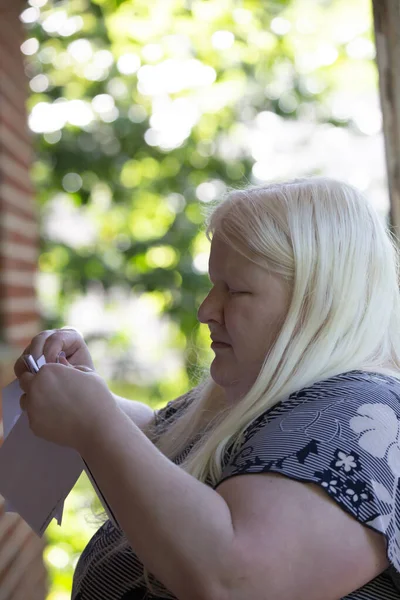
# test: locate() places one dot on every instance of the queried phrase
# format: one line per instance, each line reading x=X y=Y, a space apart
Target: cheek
x=240 y=321
x=251 y=326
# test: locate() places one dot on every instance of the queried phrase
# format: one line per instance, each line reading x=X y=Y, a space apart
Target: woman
x=303 y=398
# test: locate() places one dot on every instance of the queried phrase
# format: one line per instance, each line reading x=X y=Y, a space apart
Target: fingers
x=35 y=348
x=50 y=343
x=25 y=381
x=62 y=340
x=84 y=368
x=69 y=328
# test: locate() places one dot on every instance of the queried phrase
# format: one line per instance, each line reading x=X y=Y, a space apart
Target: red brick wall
x=22 y=573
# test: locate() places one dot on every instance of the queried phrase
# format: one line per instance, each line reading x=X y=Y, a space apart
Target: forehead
x=226 y=261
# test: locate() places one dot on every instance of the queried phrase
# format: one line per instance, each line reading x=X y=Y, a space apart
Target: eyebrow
x=234 y=277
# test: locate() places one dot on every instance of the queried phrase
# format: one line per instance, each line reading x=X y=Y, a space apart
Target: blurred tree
x=143 y=110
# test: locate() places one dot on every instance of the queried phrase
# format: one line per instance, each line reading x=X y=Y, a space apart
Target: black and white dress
x=342 y=433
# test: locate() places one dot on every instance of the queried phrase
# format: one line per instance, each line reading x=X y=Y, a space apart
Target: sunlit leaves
x=150 y=217
x=162 y=257
x=146 y=106
x=54 y=260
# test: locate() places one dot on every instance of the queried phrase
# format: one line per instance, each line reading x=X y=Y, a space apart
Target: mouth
x=215 y=345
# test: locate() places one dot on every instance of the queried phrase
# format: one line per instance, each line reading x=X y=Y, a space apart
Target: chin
x=222 y=376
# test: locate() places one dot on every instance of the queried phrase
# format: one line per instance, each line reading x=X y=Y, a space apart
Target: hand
x=66 y=405
x=53 y=341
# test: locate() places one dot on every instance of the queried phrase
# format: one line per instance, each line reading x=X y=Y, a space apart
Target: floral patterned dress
x=342 y=433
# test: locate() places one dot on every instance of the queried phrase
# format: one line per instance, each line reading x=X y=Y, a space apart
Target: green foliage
x=140 y=190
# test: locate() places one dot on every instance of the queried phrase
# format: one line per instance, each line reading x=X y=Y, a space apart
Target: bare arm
x=141 y=414
x=180 y=528
x=235 y=542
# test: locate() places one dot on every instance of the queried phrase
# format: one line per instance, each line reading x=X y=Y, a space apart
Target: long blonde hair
x=341 y=261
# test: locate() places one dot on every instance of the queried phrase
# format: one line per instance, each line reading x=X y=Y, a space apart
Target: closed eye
x=235 y=292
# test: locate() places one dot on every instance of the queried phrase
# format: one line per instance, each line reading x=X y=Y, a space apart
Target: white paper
x=36 y=475
x=11 y=409
x=41 y=361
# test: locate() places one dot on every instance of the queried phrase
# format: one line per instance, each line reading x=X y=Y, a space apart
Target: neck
x=235 y=393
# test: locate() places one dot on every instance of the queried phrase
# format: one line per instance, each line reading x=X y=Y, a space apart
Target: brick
x=20 y=344
x=11 y=64
x=11 y=155
x=12 y=90
x=13 y=291
x=23 y=574
x=30 y=587
x=18 y=255
x=11 y=43
x=14 y=171
x=15 y=146
x=15 y=304
x=14 y=224
x=26 y=186
x=11 y=38
x=15 y=265
x=29 y=551
x=8 y=522
x=20 y=333
x=19 y=237
x=18 y=533
x=24 y=244
x=17 y=277
x=16 y=201
x=20 y=318
x=10 y=116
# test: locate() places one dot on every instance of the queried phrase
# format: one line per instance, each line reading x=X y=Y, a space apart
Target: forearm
x=138 y=412
x=180 y=528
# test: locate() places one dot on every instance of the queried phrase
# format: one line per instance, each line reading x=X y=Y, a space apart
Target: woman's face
x=245 y=310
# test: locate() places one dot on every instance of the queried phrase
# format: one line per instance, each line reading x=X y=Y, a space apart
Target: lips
x=218 y=341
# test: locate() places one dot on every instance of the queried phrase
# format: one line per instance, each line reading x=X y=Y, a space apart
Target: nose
x=211 y=309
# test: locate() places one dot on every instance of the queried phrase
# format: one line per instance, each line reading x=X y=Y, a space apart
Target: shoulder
x=342 y=434
x=329 y=408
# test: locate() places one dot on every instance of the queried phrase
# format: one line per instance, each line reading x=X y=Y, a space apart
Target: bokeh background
x=142 y=114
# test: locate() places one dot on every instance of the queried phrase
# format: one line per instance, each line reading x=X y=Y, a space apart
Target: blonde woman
x=277 y=478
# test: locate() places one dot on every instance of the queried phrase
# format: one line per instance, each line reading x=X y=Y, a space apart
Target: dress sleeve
x=341 y=434
x=164 y=416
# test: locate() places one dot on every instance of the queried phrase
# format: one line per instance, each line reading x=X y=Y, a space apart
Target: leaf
x=279 y=463
x=311 y=448
x=393 y=459
x=380 y=523
x=381 y=492
x=377 y=423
